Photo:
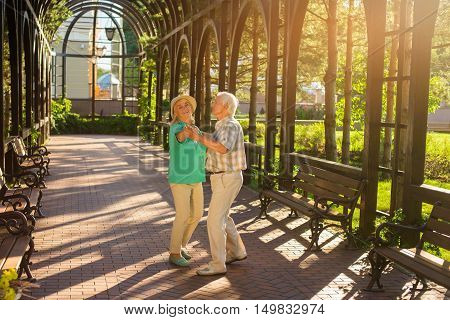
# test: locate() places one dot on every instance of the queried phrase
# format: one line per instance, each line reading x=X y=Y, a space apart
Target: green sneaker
x=181 y=262
x=185 y=254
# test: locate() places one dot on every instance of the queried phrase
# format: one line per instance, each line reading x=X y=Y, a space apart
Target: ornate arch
x=182 y=43
x=236 y=38
x=208 y=28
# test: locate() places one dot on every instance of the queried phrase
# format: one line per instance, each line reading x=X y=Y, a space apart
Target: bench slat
x=330 y=186
x=438 y=263
x=440 y=212
x=6 y=245
x=290 y=199
x=17 y=252
x=328 y=175
x=437 y=239
x=317 y=191
x=438 y=226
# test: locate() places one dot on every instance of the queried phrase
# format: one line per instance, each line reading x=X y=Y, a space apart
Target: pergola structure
x=190 y=24
x=60 y=79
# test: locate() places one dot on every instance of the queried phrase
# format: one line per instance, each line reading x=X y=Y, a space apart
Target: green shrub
x=66 y=122
x=309 y=139
x=316 y=112
x=260 y=128
x=437 y=160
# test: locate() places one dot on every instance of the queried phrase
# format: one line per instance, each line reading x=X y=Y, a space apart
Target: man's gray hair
x=230 y=101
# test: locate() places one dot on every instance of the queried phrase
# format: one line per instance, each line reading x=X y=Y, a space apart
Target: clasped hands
x=192 y=132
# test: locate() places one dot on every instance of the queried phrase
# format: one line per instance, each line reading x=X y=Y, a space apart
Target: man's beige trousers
x=224 y=239
x=188 y=200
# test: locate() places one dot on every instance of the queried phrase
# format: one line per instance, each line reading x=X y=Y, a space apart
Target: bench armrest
x=30 y=179
x=42 y=150
x=379 y=241
x=323 y=204
x=15 y=222
x=37 y=159
x=10 y=200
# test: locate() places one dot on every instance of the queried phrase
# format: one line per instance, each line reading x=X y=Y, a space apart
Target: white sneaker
x=209 y=272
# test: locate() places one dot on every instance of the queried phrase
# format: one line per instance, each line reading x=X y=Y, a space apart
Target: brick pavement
x=109 y=213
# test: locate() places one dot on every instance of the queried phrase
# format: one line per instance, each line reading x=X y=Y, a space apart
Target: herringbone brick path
x=109 y=213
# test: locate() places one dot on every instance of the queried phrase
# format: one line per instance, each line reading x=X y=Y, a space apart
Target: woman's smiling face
x=183 y=110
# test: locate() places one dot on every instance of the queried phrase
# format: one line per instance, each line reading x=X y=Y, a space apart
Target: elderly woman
x=186 y=174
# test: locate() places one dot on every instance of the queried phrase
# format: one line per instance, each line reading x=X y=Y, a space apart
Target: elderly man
x=225 y=161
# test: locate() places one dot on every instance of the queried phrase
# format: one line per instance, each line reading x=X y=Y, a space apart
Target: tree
x=348 y=87
x=254 y=86
x=207 y=109
x=330 y=83
x=130 y=39
x=245 y=75
x=405 y=102
x=390 y=90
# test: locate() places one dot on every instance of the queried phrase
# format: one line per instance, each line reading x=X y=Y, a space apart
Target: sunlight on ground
x=291 y=250
x=272 y=235
x=337 y=288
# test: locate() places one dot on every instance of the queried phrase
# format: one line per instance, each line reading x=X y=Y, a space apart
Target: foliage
x=35 y=134
x=437 y=161
x=245 y=62
x=260 y=128
x=101 y=71
x=146 y=111
x=60 y=113
x=130 y=38
x=440 y=57
x=11 y=288
x=359 y=85
x=131 y=72
x=439 y=92
x=66 y=122
x=61 y=106
x=310 y=139
x=7 y=291
x=54 y=16
x=148 y=41
x=315 y=112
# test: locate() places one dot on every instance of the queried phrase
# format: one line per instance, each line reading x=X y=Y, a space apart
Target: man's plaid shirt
x=229 y=133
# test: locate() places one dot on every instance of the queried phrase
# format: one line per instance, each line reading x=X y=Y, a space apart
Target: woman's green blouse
x=187 y=158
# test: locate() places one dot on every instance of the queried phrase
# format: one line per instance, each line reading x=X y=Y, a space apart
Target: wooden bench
x=423 y=264
x=27 y=200
x=38 y=149
x=16 y=243
x=30 y=163
x=317 y=190
x=33 y=151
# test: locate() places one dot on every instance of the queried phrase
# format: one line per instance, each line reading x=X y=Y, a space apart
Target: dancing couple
x=222 y=154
